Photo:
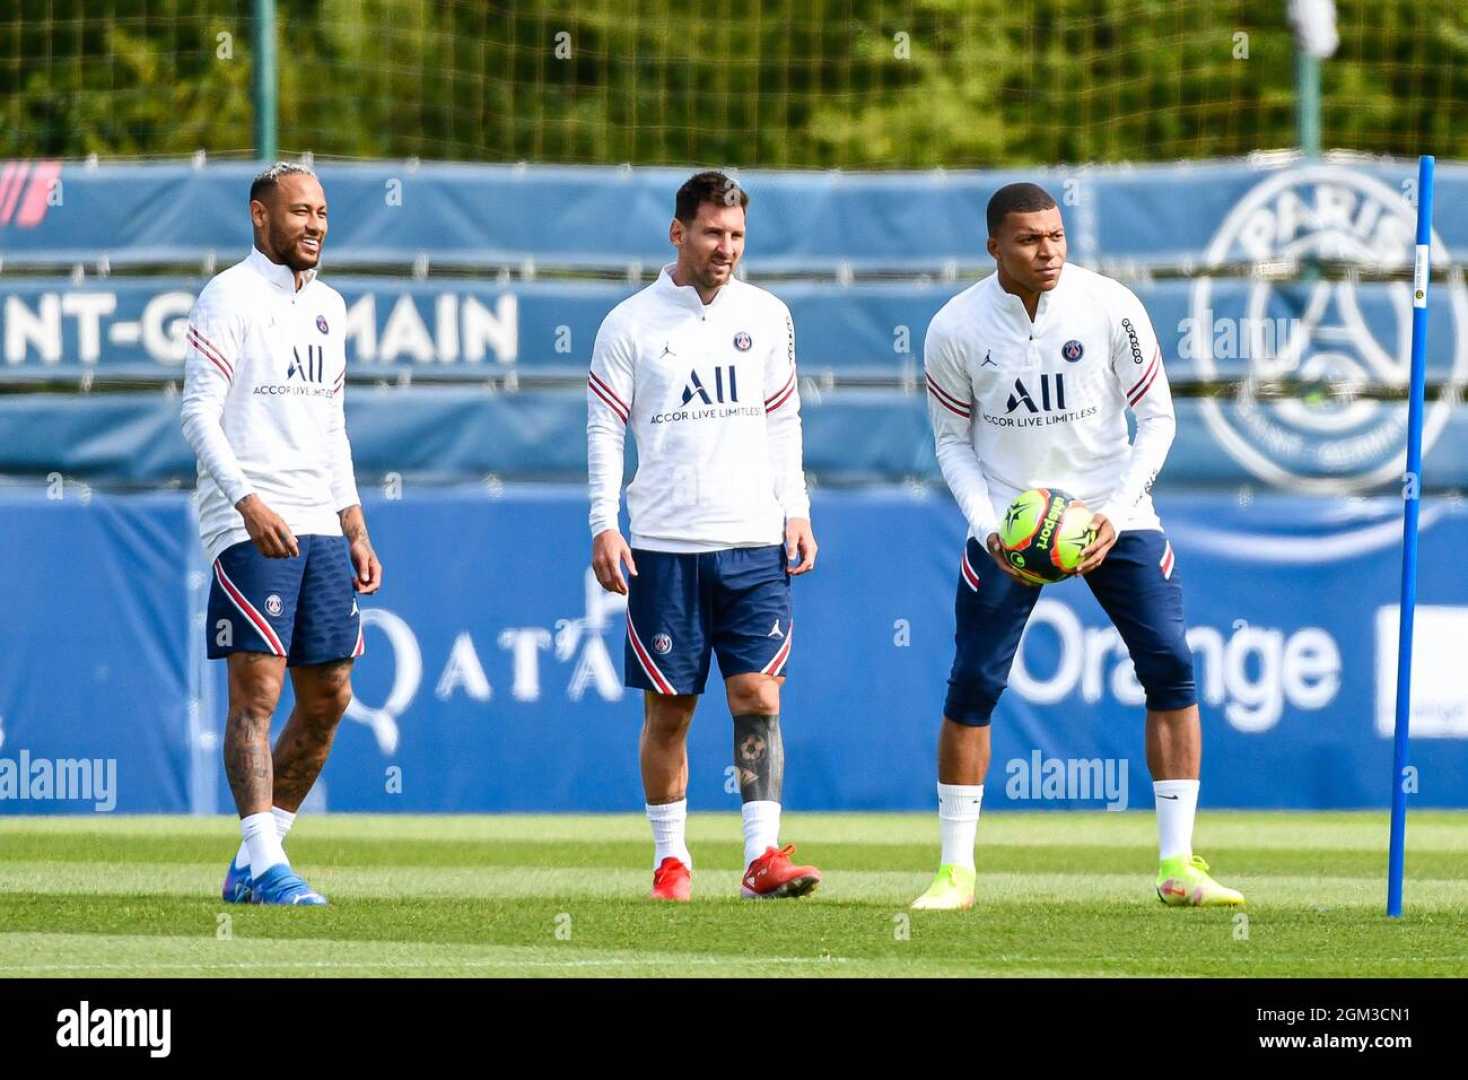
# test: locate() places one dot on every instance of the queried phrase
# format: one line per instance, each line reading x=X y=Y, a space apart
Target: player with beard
x=701 y=367
x=279 y=516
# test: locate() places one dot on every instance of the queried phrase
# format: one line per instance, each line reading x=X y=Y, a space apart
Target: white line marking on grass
x=1433 y=830
x=1110 y=965
x=695 y=961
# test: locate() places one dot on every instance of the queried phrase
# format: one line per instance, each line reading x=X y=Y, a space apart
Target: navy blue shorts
x=681 y=608
x=1137 y=585
x=303 y=608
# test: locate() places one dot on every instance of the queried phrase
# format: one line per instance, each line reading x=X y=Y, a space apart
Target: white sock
x=263 y=842
x=958 y=822
x=284 y=819
x=761 y=827
x=1177 y=805
x=669 y=825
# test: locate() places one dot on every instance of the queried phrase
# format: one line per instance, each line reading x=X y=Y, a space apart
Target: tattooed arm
x=364 y=559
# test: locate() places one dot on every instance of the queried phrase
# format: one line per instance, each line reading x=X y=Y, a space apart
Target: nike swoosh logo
x=1167 y=796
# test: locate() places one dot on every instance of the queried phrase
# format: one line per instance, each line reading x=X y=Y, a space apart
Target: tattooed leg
x=254 y=689
x=323 y=692
x=759 y=755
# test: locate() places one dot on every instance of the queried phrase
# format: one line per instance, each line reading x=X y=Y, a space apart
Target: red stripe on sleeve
x=608 y=402
x=947 y=400
x=787 y=393
x=609 y=391
x=1140 y=394
x=200 y=342
x=1146 y=375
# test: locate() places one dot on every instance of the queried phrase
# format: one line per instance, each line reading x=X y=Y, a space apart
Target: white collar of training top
x=1011 y=308
x=687 y=294
x=278 y=274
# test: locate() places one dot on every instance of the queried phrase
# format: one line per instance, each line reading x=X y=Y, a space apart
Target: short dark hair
x=1021 y=198
x=707 y=187
x=269 y=179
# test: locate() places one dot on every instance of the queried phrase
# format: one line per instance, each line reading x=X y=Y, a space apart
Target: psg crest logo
x=662 y=644
x=1072 y=350
x=273 y=604
x=321 y=323
x=1332 y=329
x=742 y=341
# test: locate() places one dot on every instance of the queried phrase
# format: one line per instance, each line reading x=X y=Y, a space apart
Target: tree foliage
x=772 y=83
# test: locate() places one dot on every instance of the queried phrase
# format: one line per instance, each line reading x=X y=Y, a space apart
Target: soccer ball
x=1043 y=534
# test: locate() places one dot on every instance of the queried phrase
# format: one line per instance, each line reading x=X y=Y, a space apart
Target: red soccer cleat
x=672 y=881
x=772 y=875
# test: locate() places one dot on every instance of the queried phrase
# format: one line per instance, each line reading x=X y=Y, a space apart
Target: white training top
x=1017 y=404
x=264 y=380
x=710 y=392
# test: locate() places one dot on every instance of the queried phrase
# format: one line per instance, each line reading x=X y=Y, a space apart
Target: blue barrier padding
x=492 y=674
x=393 y=213
x=851 y=436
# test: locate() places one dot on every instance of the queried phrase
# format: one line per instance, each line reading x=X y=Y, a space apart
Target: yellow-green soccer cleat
x=952 y=890
x=1185 y=883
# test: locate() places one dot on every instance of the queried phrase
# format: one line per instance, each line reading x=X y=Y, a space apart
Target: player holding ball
x=1030 y=373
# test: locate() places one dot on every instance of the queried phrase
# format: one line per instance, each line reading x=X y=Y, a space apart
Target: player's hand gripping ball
x=1043 y=534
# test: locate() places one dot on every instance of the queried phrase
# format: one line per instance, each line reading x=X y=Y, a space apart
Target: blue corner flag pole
x=1412 y=503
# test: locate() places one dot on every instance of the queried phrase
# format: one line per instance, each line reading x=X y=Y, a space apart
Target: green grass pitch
x=1060 y=894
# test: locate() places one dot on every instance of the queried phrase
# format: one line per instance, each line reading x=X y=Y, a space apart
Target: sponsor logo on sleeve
x=1131 y=336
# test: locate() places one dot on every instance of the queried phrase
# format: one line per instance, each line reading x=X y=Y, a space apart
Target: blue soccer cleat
x=282 y=885
x=239 y=887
